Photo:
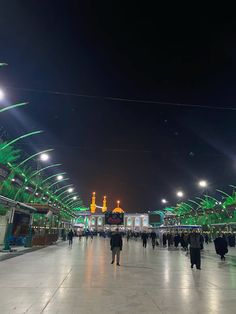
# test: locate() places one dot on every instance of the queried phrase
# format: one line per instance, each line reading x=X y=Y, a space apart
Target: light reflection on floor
x=59 y=279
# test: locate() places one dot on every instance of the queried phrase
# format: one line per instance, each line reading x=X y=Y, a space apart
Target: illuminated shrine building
x=118 y=209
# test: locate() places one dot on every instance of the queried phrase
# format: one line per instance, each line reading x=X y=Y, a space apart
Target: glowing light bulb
x=44 y=157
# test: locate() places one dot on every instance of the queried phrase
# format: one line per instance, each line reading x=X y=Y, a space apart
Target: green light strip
x=20 y=138
x=35 y=155
x=66 y=191
x=63 y=187
x=71 y=200
x=13 y=106
x=224 y=193
x=75 y=204
x=70 y=195
x=54 y=175
x=66 y=179
x=41 y=170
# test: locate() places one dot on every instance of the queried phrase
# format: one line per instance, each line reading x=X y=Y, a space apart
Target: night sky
x=138 y=152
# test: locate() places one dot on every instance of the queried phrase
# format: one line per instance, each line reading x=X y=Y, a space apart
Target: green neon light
x=199 y=205
x=35 y=155
x=70 y=195
x=66 y=179
x=200 y=199
x=188 y=205
x=13 y=106
x=72 y=200
x=224 y=193
x=214 y=199
x=66 y=191
x=53 y=176
x=75 y=204
x=41 y=170
x=63 y=187
x=20 y=138
x=68 y=203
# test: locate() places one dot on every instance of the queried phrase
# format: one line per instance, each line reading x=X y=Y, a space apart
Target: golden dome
x=118 y=209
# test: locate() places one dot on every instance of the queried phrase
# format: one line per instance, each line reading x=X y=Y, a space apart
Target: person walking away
x=195 y=247
x=153 y=236
x=221 y=246
x=231 y=240
x=202 y=241
x=70 y=236
x=164 y=238
x=206 y=238
x=144 y=238
x=169 y=239
x=185 y=241
x=176 y=240
x=116 y=246
x=128 y=236
x=80 y=234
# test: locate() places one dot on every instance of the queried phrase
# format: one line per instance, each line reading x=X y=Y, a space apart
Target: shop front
x=15 y=223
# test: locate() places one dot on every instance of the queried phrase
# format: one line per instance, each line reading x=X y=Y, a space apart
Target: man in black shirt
x=116 y=246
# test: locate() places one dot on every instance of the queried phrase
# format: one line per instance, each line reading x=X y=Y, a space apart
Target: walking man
x=144 y=238
x=221 y=246
x=153 y=236
x=70 y=237
x=116 y=246
x=195 y=241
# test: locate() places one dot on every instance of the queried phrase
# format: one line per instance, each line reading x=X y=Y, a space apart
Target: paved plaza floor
x=59 y=279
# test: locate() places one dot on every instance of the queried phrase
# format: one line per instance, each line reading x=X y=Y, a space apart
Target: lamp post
x=73 y=199
x=63 y=187
x=59 y=177
x=180 y=194
x=33 y=175
x=20 y=138
x=57 y=182
x=70 y=190
x=68 y=196
x=203 y=184
x=74 y=204
x=13 y=106
x=2 y=94
x=34 y=155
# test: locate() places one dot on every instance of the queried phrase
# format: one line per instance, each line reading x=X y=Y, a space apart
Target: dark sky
x=135 y=152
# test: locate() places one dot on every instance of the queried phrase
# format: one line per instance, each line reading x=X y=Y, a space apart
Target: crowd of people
x=192 y=242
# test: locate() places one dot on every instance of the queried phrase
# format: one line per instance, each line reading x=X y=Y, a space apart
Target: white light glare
x=70 y=190
x=75 y=198
x=2 y=95
x=164 y=201
x=202 y=183
x=180 y=194
x=44 y=157
x=59 y=178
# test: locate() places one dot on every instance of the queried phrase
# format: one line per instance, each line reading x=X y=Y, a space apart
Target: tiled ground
x=59 y=279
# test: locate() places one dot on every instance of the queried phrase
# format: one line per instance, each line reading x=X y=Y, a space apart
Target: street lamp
x=164 y=201
x=44 y=157
x=203 y=183
x=180 y=194
x=2 y=94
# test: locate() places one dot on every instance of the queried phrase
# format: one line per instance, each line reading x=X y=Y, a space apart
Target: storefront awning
x=12 y=203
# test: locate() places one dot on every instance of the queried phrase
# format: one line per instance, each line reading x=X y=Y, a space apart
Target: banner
x=114 y=219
